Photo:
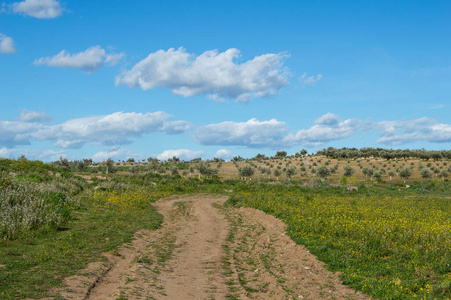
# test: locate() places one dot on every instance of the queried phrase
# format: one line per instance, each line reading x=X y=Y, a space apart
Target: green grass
x=35 y=265
x=107 y=214
x=390 y=242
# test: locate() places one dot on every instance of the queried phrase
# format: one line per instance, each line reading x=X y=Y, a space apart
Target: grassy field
x=390 y=240
x=53 y=223
x=35 y=261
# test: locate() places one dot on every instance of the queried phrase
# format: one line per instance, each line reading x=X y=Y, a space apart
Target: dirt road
x=206 y=251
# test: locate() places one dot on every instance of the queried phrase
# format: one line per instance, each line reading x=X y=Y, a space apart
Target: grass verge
x=31 y=267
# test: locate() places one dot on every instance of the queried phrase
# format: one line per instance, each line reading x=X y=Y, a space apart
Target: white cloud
x=113 y=59
x=120 y=153
x=6 y=44
x=120 y=128
x=422 y=129
x=252 y=133
x=223 y=153
x=32 y=154
x=116 y=154
x=34 y=116
x=329 y=119
x=273 y=133
x=14 y=133
x=328 y=128
x=309 y=80
x=114 y=129
x=213 y=74
x=175 y=127
x=319 y=134
x=41 y=9
x=91 y=60
x=183 y=154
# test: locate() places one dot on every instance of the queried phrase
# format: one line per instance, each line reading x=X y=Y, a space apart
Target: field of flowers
x=120 y=201
x=388 y=244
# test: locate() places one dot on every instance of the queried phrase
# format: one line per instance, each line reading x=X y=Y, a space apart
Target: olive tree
x=425 y=173
x=348 y=171
x=391 y=174
x=246 y=171
x=291 y=171
x=323 y=171
x=405 y=173
x=109 y=166
x=204 y=169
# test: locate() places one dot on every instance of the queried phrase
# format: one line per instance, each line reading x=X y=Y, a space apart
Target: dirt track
x=205 y=251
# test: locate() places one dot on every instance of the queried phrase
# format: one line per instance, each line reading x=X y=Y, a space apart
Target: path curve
x=206 y=251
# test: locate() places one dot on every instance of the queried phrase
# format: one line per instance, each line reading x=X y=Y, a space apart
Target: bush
x=348 y=171
x=26 y=208
x=405 y=172
x=291 y=171
x=234 y=201
x=425 y=173
x=246 y=171
x=323 y=171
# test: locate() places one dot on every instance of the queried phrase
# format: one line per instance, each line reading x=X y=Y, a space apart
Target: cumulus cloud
x=13 y=133
x=183 y=154
x=113 y=59
x=252 y=133
x=32 y=154
x=41 y=9
x=91 y=60
x=175 y=127
x=116 y=154
x=216 y=75
x=309 y=80
x=224 y=154
x=319 y=134
x=114 y=129
x=274 y=134
x=328 y=119
x=34 y=116
x=422 y=129
x=120 y=128
x=6 y=44
x=327 y=128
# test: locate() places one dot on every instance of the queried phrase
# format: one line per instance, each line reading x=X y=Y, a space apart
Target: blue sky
x=120 y=79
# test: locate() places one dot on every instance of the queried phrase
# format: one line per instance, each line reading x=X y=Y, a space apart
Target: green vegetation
x=51 y=226
x=53 y=222
x=388 y=242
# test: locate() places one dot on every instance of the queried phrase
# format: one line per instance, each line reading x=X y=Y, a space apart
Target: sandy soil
x=206 y=251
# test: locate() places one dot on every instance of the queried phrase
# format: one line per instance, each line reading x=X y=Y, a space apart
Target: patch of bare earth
x=206 y=251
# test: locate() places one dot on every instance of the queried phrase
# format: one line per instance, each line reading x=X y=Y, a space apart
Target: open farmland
x=331 y=165
x=388 y=238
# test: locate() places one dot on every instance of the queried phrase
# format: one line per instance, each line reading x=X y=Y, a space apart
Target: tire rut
x=206 y=251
